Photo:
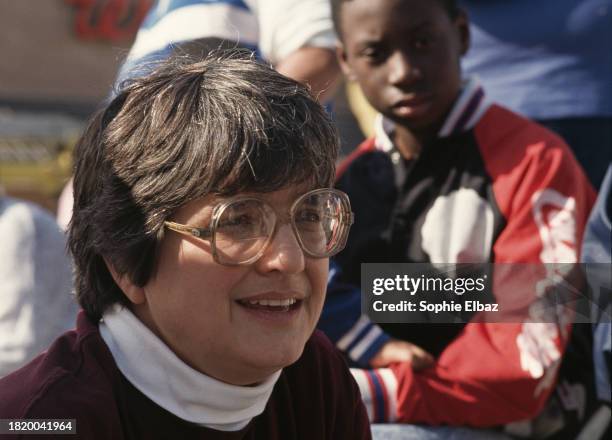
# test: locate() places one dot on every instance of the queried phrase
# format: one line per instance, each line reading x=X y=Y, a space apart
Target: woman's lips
x=272 y=311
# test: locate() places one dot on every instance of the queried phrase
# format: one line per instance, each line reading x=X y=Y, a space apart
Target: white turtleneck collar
x=159 y=374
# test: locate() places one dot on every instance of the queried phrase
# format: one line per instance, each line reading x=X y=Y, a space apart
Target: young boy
x=447 y=178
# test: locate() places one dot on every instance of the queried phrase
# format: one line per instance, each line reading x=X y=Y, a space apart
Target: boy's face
x=405 y=55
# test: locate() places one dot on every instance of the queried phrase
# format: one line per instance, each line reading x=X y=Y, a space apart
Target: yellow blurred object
x=361 y=108
x=46 y=177
x=36 y=155
x=38 y=173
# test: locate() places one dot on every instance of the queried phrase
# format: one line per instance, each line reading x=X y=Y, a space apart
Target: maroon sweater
x=77 y=378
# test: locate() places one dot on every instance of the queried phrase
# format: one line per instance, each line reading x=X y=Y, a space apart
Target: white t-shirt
x=36 y=301
x=272 y=28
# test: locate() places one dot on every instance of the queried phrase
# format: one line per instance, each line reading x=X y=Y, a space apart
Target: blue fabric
x=597 y=237
x=344 y=300
x=136 y=67
x=143 y=64
x=414 y=432
x=364 y=331
x=601 y=356
x=543 y=58
x=379 y=396
x=591 y=141
x=375 y=346
x=133 y=68
x=341 y=300
x=597 y=248
x=161 y=9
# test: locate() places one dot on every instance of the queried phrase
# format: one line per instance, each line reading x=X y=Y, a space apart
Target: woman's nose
x=284 y=253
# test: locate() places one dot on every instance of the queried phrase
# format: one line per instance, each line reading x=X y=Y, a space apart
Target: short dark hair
x=450 y=6
x=188 y=129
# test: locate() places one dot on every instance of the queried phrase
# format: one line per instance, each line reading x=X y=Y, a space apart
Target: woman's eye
x=309 y=216
x=236 y=221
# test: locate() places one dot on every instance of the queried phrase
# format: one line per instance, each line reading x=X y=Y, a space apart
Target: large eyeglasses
x=242 y=228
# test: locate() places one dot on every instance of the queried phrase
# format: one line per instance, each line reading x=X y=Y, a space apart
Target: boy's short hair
x=189 y=129
x=449 y=5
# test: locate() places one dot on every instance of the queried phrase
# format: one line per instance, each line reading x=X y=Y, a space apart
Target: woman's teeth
x=272 y=302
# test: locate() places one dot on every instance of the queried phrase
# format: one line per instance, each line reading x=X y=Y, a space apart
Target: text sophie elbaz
x=412 y=286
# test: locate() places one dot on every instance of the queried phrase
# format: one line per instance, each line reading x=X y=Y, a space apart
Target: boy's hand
x=402 y=351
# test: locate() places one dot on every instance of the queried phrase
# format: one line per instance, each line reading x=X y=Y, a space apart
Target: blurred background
x=60 y=58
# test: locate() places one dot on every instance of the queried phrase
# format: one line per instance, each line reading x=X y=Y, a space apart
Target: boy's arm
x=298 y=38
x=341 y=320
x=361 y=340
x=315 y=66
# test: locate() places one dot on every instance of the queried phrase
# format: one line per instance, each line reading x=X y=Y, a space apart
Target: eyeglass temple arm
x=347 y=216
x=349 y=219
x=203 y=233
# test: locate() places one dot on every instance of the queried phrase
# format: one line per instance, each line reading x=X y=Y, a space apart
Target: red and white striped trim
x=379 y=393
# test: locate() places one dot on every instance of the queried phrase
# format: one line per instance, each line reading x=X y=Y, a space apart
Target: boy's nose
x=284 y=253
x=402 y=71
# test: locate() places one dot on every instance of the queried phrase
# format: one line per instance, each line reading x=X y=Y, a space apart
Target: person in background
x=550 y=60
x=449 y=177
x=36 y=301
x=203 y=222
x=596 y=254
x=296 y=36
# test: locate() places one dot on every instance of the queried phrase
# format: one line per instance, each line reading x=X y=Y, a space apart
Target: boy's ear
x=462 y=23
x=134 y=293
x=346 y=68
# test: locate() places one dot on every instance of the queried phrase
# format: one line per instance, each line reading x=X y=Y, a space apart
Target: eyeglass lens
x=245 y=227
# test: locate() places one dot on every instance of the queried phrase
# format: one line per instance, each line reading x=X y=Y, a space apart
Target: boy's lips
x=413 y=105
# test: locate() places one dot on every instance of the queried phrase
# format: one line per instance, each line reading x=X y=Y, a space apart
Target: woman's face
x=232 y=322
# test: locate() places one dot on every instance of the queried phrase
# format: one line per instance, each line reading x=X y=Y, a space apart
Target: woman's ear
x=134 y=293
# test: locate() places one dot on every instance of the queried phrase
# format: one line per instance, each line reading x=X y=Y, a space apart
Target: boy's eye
x=372 y=53
x=422 y=42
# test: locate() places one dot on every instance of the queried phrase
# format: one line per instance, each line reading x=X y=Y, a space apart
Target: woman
x=203 y=222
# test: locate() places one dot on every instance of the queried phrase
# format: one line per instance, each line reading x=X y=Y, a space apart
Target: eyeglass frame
x=347 y=218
